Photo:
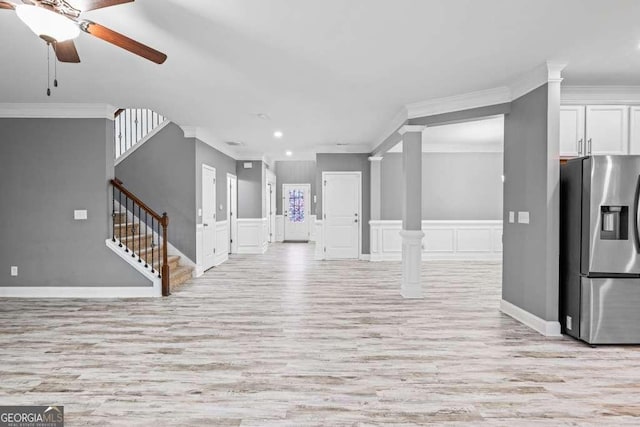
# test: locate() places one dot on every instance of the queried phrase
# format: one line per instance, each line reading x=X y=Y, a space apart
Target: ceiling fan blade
x=7 y=5
x=123 y=42
x=86 y=5
x=66 y=51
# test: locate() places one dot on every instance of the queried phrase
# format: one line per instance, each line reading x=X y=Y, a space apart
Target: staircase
x=143 y=247
x=142 y=233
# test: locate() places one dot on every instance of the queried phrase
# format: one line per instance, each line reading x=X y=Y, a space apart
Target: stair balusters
x=131 y=125
x=156 y=232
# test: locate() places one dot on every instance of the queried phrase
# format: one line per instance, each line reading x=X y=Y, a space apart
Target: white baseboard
x=152 y=291
x=444 y=240
x=84 y=292
x=544 y=327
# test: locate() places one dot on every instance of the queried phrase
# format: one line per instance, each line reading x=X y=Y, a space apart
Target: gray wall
x=205 y=154
x=295 y=172
x=347 y=163
x=48 y=168
x=251 y=189
x=530 y=266
x=455 y=186
x=161 y=173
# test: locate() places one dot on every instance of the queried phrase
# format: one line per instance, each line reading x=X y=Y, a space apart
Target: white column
x=376 y=188
x=411 y=285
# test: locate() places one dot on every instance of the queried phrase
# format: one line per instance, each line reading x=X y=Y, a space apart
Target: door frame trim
x=215 y=213
x=233 y=223
x=324 y=228
x=308 y=205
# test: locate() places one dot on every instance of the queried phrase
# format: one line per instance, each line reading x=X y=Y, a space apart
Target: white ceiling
x=474 y=136
x=326 y=72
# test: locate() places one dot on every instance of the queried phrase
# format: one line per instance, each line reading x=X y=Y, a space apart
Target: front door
x=295 y=208
x=342 y=218
x=208 y=216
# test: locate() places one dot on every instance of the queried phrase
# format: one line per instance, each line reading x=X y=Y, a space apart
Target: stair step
x=126 y=228
x=179 y=276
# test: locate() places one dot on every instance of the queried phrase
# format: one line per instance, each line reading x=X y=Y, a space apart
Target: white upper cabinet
x=634 y=143
x=607 y=130
x=572 y=142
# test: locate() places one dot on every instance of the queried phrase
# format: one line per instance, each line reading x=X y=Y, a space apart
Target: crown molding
x=550 y=71
x=411 y=128
x=578 y=95
x=376 y=158
x=465 y=101
x=398 y=120
x=57 y=111
x=206 y=138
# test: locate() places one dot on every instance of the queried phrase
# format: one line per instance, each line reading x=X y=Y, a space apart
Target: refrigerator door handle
x=636 y=208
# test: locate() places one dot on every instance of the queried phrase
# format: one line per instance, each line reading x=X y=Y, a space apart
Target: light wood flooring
x=283 y=340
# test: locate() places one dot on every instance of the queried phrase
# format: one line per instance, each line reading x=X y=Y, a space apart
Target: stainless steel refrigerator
x=600 y=249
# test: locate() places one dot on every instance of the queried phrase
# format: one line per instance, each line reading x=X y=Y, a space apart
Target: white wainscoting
x=253 y=235
x=312 y=228
x=443 y=240
x=317 y=226
x=222 y=242
x=279 y=228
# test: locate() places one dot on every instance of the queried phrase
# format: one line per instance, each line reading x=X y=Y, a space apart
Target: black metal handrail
x=128 y=207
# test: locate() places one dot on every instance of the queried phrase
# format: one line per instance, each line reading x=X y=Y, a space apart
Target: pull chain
x=55 y=72
x=48 y=69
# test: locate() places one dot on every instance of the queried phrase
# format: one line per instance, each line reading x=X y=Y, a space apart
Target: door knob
x=355 y=220
x=205 y=225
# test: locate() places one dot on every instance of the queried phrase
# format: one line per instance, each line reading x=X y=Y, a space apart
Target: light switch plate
x=512 y=217
x=199 y=212
x=80 y=215
x=523 y=217
x=14 y=271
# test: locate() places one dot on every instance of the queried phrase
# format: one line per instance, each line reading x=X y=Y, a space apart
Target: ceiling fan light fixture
x=47 y=24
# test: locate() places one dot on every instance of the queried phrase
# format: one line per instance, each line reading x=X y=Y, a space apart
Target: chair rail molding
x=443 y=240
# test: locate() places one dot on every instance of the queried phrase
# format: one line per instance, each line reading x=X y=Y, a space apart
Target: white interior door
x=296 y=209
x=232 y=208
x=272 y=218
x=342 y=219
x=208 y=216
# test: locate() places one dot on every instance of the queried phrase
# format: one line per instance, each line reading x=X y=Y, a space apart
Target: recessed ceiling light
x=289 y=153
x=278 y=134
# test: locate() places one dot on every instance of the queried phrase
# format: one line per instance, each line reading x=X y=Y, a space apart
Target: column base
x=411 y=285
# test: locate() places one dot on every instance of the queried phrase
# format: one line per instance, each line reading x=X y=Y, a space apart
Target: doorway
x=208 y=216
x=342 y=219
x=296 y=211
x=232 y=208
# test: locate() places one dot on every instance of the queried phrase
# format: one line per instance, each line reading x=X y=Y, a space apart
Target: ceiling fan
x=58 y=22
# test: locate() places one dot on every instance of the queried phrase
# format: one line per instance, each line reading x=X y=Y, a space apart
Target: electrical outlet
x=14 y=271
x=512 y=217
x=569 y=322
